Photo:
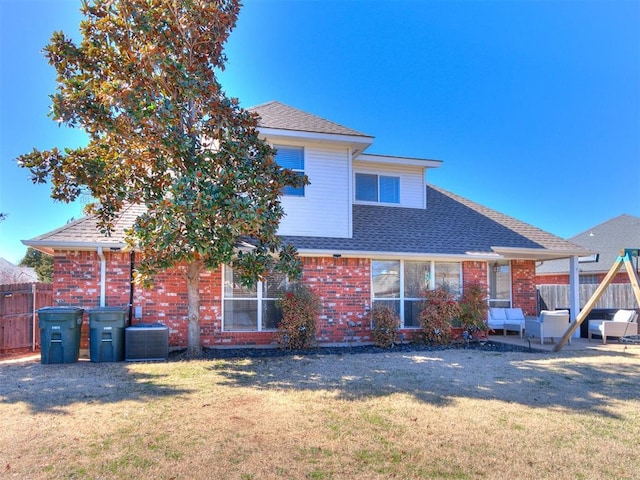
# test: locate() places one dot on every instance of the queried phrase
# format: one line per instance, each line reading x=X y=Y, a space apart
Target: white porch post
x=574 y=291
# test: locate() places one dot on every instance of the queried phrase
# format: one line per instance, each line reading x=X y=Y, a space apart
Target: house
x=367 y=229
x=607 y=240
x=12 y=274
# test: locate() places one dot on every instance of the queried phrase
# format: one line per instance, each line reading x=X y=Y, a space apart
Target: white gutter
x=103 y=276
x=539 y=254
x=500 y=253
x=391 y=255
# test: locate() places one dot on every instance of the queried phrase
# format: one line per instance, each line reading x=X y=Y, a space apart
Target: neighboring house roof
x=277 y=115
x=606 y=239
x=10 y=273
x=450 y=226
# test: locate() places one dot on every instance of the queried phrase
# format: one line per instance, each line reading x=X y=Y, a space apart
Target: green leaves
x=142 y=83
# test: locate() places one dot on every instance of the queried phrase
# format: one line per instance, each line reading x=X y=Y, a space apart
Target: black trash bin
x=60 y=331
x=106 y=334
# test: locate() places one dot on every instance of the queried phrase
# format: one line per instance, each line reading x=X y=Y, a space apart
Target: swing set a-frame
x=625 y=258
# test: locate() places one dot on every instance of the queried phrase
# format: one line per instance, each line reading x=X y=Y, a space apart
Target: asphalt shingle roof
x=450 y=225
x=607 y=239
x=85 y=229
x=280 y=116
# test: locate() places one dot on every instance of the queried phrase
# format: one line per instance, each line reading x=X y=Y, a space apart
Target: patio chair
x=622 y=324
x=550 y=324
x=514 y=321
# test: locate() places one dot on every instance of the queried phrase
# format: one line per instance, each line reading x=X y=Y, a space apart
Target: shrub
x=300 y=308
x=385 y=326
x=439 y=310
x=473 y=308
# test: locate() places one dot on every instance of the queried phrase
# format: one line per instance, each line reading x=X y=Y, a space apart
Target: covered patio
x=577 y=344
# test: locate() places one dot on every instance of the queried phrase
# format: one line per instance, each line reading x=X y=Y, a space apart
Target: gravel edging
x=209 y=353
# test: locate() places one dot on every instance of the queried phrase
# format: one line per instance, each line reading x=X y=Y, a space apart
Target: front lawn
x=406 y=415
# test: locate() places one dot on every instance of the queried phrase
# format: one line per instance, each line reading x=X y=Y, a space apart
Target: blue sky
x=533 y=106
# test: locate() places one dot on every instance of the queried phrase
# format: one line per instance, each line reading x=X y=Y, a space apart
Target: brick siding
x=523 y=286
x=563 y=279
x=343 y=284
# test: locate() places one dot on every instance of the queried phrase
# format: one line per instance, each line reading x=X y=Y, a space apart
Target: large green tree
x=40 y=262
x=162 y=132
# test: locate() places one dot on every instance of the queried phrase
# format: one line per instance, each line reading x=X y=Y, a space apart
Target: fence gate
x=18 y=305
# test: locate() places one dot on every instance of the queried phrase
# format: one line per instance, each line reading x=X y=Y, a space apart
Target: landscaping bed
x=263 y=352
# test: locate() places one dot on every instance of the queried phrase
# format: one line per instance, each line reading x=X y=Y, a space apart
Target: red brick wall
x=77 y=282
x=523 y=285
x=563 y=279
x=344 y=287
x=343 y=284
x=474 y=272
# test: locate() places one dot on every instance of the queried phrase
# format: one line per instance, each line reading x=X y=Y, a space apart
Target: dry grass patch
x=447 y=414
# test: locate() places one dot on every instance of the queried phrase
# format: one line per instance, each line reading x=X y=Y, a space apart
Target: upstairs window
x=293 y=159
x=377 y=188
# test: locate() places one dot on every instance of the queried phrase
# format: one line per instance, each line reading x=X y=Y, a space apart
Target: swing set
x=625 y=258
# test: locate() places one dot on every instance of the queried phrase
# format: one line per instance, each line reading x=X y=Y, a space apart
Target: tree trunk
x=194 y=348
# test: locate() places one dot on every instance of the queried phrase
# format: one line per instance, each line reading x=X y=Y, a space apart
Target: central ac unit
x=146 y=341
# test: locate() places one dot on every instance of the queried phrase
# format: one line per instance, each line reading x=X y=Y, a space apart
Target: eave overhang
x=49 y=247
x=498 y=253
x=539 y=254
x=356 y=142
x=394 y=160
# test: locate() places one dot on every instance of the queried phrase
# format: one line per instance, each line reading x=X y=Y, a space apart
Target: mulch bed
x=265 y=352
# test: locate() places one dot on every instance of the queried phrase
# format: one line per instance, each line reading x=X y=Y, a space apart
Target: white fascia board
x=393 y=160
x=359 y=142
x=392 y=255
x=49 y=246
x=540 y=254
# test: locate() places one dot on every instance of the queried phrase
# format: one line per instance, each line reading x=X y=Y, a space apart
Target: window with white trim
x=400 y=285
x=377 y=188
x=251 y=309
x=293 y=159
x=500 y=284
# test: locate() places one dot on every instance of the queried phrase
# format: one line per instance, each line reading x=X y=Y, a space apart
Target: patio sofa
x=506 y=319
x=622 y=324
x=550 y=324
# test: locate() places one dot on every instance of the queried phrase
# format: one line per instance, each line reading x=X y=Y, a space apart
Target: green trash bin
x=106 y=334
x=60 y=330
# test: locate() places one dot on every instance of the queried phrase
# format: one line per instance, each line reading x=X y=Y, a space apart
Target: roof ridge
x=264 y=104
x=65 y=226
x=310 y=121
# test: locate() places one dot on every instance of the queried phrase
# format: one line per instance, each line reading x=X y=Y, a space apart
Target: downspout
x=103 y=276
x=132 y=257
x=33 y=319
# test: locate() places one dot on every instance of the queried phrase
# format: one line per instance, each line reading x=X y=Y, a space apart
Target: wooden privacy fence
x=18 y=305
x=617 y=295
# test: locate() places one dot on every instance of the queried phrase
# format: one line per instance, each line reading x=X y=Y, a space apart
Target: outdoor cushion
x=498 y=314
x=550 y=324
x=623 y=324
x=514 y=314
x=624 y=316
